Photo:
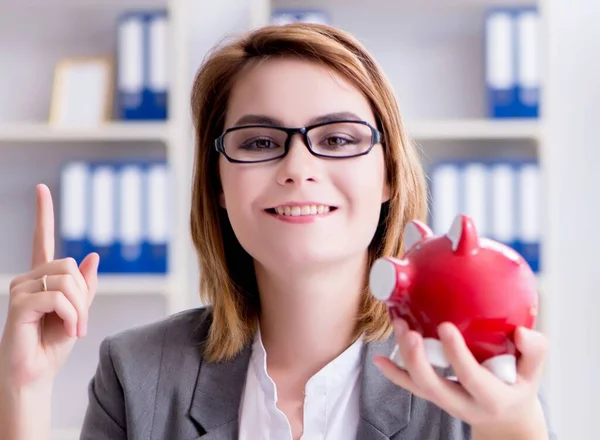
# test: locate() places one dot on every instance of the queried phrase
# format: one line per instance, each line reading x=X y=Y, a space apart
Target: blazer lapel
x=217 y=397
x=385 y=407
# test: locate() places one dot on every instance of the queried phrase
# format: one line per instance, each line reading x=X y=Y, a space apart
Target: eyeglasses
x=333 y=139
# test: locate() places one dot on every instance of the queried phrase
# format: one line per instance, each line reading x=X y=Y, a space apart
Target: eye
x=336 y=141
x=259 y=144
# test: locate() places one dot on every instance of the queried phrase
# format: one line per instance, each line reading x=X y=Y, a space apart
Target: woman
x=286 y=223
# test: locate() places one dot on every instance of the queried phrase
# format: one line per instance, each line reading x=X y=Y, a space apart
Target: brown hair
x=227 y=279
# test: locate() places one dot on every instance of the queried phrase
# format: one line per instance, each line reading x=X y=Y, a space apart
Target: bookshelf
x=431 y=51
x=33 y=150
x=65 y=434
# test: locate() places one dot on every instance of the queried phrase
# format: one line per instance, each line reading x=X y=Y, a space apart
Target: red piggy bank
x=483 y=287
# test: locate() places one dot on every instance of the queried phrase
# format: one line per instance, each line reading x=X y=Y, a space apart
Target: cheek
x=232 y=184
x=365 y=183
x=365 y=191
x=241 y=188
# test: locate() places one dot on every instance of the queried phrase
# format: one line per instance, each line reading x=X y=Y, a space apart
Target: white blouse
x=331 y=405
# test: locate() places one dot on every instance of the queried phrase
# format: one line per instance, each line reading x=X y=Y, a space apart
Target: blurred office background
x=501 y=97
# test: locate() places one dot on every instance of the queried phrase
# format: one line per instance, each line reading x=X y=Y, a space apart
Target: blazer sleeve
x=105 y=415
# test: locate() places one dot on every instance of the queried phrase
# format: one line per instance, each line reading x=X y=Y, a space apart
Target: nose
x=299 y=165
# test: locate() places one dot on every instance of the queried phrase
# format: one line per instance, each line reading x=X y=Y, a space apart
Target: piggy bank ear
x=463 y=235
x=414 y=232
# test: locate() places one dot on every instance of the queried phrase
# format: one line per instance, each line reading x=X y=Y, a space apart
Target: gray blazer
x=151 y=384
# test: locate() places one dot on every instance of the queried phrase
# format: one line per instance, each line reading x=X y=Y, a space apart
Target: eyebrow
x=267 y=120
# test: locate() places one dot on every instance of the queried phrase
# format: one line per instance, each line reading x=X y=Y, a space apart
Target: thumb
x=533 y=346
x=89 y=270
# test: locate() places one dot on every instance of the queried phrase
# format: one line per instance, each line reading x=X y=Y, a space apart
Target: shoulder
x=126 y=388
x=144 y=345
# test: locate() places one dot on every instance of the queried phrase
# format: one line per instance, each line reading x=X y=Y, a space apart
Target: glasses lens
x=253 y=144
x=340 y=139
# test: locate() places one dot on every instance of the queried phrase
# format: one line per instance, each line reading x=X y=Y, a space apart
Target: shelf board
x=65 y=434
x=133 y=284
x=116 y=284
x=473 y=129
x=113 y=131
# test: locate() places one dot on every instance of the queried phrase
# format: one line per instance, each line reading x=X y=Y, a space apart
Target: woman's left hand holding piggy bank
x=493 y=408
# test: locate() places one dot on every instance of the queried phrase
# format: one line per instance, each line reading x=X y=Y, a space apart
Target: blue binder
x=500 y=66
x=121 y=211
x=131 y=212
x=104 y=211
x=512 y=62
x=142 y=68
x=529 y=210
x=157 y=227
x=528 y=64
x=74 y=214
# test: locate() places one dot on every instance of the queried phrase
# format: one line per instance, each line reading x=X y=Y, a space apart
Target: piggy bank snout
x=386 y=276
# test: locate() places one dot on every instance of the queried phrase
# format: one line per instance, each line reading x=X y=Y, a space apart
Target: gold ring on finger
x=44 y=283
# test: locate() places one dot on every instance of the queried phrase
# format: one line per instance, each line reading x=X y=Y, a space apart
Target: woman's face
x=301 y=211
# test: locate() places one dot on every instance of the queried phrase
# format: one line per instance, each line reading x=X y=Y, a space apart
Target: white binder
x=445 y=193
x=130 y=213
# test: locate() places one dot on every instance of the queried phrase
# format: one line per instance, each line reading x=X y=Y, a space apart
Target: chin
x=301 y=258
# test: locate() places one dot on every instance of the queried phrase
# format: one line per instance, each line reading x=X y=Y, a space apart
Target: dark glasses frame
x=376 y=138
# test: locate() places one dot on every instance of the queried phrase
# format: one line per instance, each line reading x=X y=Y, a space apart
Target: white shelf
x=133 y=284
x=64 y=434
x=116 y=284
x=473 y=129
x=114 y=131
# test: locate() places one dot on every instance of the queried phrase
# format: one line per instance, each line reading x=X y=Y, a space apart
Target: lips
x=301 y=210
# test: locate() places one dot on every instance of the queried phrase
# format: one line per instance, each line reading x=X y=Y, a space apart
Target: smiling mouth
x=297 y=211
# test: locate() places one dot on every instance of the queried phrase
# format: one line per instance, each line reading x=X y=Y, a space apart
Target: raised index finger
x=43 y=235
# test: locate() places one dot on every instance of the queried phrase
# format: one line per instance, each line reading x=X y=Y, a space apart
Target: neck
x=310 y=313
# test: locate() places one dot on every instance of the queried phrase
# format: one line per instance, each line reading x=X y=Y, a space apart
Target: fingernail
x=444 y=331
x=400 y=326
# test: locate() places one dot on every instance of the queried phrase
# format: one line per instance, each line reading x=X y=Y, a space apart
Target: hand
x=42 y=326
x=478 y=397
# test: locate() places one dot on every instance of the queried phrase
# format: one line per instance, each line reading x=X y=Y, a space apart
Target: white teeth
x=302 y=210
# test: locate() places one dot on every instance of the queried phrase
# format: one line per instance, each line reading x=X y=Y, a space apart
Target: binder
x=158 y=73
x=502 y=196
x=130 y=221
x=529 y=225
x=474 y=182
x=528 y=64
x=500 y=67
x=73 y=210
x=283 y=16
x=142 y=65
x=445 y=195
x=119 y=210
x=103 y=214
x=157 y=225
